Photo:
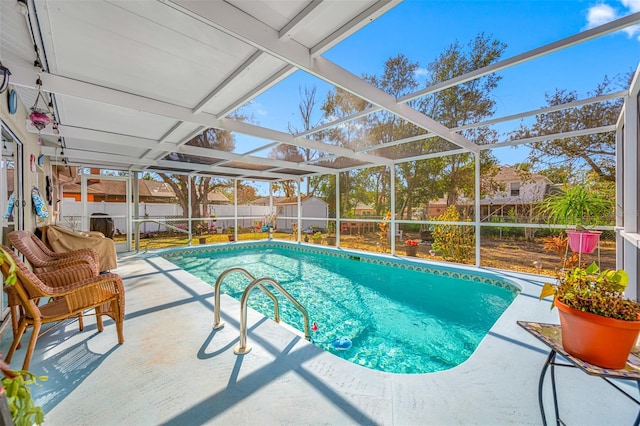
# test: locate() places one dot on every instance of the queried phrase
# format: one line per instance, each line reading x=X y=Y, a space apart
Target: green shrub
x=455 y=242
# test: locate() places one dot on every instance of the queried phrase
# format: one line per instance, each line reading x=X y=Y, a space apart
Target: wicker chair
x=104 y=293
x=44 y=260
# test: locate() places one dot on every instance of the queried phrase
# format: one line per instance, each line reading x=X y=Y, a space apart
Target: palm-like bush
x=581 y=205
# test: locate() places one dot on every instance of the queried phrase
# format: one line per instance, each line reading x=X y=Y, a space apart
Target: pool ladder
x=242 y=347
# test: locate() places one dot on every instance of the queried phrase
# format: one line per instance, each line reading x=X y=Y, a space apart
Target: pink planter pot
x=583 y=241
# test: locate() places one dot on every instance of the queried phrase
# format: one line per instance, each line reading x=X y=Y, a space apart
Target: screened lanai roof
x=133 y=82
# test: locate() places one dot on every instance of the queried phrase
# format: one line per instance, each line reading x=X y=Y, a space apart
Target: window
x=515 y=189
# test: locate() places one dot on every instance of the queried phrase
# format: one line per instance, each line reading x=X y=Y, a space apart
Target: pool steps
x=242 y=348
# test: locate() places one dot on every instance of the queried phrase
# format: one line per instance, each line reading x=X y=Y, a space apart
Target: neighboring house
x=512 y=193
x=264 y=201
x=362 y=209
x=515 y=194
x=114 y=191
x=218 y=198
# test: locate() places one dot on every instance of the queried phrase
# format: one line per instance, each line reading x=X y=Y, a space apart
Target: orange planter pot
x=411 y=250
x=605 y=342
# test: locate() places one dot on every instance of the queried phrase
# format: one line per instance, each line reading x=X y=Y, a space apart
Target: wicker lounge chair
x=44 y=260
x=104 y=293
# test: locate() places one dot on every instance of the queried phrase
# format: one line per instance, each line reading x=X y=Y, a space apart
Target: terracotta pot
x=331 y=241
x=411 y=250
x=605 y=342
x=583 y=241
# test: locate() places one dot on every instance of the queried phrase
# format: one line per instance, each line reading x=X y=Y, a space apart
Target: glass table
x=550 y=335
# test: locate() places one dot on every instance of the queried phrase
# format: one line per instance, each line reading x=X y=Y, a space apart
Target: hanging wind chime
x=39 y=116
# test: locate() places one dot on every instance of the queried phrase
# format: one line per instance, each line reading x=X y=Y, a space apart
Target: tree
x=594 y=152
x=464 y=104
x=340 y=103
x=397 y=80
x=306 y=108
x=558 y=174
x=200 y=186
x=418 y=182
x=288 y=187
x=246 y=193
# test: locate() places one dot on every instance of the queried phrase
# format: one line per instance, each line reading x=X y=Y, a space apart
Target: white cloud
x=421 y=72
x=600 y=14
x=256 y=108
x=603 y=13
x=632 y=5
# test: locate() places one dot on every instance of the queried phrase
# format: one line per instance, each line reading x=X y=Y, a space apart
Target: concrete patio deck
x=173 y=369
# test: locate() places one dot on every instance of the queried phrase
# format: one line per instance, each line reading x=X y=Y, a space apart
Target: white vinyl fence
x=71 y=214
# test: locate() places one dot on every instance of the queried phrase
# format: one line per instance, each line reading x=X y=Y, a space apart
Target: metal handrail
x=217 y=324
x=242 y=347
x=166 y=225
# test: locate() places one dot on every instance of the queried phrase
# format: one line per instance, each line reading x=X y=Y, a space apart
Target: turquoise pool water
x=400 y=318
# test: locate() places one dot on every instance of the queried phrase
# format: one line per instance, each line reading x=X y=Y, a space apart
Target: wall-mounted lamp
x=4 y=75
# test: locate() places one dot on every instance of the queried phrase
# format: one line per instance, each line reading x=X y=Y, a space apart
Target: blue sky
x=422 y=29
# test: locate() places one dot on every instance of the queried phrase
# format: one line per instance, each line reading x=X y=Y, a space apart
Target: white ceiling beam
x=592 y=33
x=298 y=20
x=79 y=155
x=228 y=171
x=230 y=156
x=352 y=83
x=551 y=137
x=162 y=150
x=104 y=137
x=398 y=142
x=270 y=134
x=634 y=89
x=498 y=66
x=545 y=110
x=367 y=16
x=230 y=78
x=26 y=77
x=125 y=140
x=433 y=155
x=275 y=78
x=236 y=23
x=339 y=121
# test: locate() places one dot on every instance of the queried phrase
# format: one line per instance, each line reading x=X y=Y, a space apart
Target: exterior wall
x=530 y=192
x=311 y=208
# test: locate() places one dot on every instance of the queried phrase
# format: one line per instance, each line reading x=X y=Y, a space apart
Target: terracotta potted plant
x=581 y=205
x=411 y=247
x=599 y=325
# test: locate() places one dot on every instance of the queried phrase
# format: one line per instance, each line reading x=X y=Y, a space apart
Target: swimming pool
x=401 y=316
